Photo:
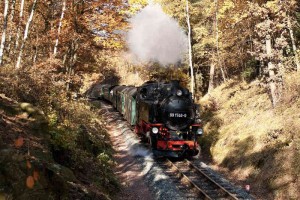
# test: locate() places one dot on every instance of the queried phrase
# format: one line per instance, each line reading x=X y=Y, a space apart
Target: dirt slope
x=30 y=168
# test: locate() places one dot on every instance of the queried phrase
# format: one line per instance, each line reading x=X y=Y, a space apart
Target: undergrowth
x=81 y=143
x=74 y=132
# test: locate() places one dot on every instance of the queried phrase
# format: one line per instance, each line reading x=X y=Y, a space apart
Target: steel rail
x=233 y=196
x=202 y=192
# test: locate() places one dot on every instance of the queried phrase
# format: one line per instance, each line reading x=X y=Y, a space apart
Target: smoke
x=156 y=37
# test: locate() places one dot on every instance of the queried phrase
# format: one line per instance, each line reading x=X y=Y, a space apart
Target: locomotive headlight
x=199 y=131
x=155 y=130
x=179 y=92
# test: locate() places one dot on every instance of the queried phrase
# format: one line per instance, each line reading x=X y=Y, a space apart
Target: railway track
x=194 y=179
x=201 y=181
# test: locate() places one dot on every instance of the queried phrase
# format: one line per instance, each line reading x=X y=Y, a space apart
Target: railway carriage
x=112 y=95
x=121 y=100
x=130 y=105
x=96 y=92
x=116 y=95
x=101 y=91
x=107 y=91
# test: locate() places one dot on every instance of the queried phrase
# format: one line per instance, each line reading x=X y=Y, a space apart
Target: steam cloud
x=155 y=36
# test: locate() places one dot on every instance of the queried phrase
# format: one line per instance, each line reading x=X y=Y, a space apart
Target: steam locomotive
x=162 y=113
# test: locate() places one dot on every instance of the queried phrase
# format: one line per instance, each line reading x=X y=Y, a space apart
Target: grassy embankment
x=260 y=145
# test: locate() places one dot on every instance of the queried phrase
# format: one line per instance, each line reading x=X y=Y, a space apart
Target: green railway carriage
x=101 y=91
x=112 y=96
x=111 y=93
x=95 y=92
x=130 y=105
x=115 y=95
x=107 y=91
x=125 y=101
x=122 y=100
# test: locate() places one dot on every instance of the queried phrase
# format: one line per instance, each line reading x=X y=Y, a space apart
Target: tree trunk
x=34 y=58
x=223 y=74
x=59 y=27
x=217 y=42
x=26 y=34
x=4 y=30
x=197 y=83
x=19 y=24
x=12 y=16
x=293 y=43
x=70 y=61
x=261 y=67
x=272 y=76
x=211 y=77
x=190 y=48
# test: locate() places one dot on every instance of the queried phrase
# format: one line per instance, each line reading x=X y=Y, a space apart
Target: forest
x=242 y=66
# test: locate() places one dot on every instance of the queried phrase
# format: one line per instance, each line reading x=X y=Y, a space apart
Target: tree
x=190 y=47
x=59 y=27
x=271 y=69
x=26 y=32
x=272 y=43
x=19 y=24
x=12 y=16
x=3 y=38
x=288 y=11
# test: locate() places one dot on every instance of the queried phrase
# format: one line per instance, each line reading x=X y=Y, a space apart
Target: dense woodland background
x=245 y=59
x=229 y=39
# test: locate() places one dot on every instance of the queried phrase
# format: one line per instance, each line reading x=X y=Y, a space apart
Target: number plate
x=178 y=115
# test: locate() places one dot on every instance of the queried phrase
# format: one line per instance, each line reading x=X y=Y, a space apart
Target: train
x=162 y=114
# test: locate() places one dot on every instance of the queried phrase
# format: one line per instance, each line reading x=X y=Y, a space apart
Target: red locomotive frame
x=164 y=144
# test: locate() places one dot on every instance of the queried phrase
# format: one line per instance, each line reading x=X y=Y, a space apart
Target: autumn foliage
x=52 y=51
x=229 y=39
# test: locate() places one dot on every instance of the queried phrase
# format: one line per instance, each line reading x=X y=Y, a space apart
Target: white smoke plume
x=156 y=37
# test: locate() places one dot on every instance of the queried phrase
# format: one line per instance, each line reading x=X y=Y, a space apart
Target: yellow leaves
x=227 y=5
x=113 y=44
x=136 y=5
x=200 y=33
x=273 y=6
x=140 y=2
x=238 y=17
x=109 y=43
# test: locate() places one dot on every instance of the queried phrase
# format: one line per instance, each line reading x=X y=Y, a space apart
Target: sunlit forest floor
x=54 y=147
x=255 y=143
